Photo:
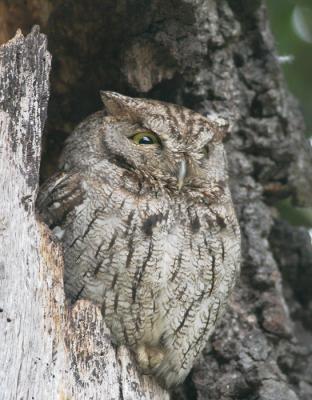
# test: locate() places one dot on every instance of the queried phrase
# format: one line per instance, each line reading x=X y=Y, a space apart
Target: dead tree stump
x=49 y=351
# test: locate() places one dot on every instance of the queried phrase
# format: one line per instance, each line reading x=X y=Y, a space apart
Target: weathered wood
x=49 y=350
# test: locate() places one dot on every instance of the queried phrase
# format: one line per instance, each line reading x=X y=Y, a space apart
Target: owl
x=143 y=208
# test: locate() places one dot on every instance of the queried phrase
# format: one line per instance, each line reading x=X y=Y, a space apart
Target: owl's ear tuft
x=116 y=104
x=222 y=127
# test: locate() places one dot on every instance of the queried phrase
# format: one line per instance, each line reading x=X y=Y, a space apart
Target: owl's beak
x=182 y=174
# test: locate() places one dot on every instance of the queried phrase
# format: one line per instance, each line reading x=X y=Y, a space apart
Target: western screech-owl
x=144 y=211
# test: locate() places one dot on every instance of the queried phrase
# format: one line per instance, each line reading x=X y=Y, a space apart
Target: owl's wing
x=58 y=196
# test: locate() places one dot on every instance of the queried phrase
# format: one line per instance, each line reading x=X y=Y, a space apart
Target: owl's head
x=156 y=141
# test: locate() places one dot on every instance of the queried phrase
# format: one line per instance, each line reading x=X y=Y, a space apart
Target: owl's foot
x=149 y=357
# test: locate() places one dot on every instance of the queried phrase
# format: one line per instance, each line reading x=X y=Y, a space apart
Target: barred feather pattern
x=159 y=259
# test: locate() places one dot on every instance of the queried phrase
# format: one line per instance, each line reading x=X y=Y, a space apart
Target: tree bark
x=214 y=57
x=50 y=350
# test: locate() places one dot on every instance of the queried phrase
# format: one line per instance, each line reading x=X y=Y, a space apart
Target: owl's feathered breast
x=160 y=265
x=154 y=262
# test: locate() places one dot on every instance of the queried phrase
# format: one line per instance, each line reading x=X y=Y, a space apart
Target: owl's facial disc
x=139 y=149
x=149 y=138
x=132 y=146
x=165 y=142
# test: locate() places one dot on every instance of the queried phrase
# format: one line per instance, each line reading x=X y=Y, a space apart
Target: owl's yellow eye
x=145 y=137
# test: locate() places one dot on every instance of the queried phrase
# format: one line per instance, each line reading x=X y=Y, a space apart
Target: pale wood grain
x=48 y=350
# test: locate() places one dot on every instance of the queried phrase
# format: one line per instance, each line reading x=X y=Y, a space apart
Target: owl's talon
x=149 y=357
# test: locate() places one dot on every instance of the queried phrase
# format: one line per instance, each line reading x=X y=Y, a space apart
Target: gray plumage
x=149 y=229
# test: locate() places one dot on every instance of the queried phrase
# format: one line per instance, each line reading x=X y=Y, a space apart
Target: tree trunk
x=211 y=56
x=51 y=351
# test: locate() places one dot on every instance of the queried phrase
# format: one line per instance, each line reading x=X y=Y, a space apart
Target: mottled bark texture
x=214 y=56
